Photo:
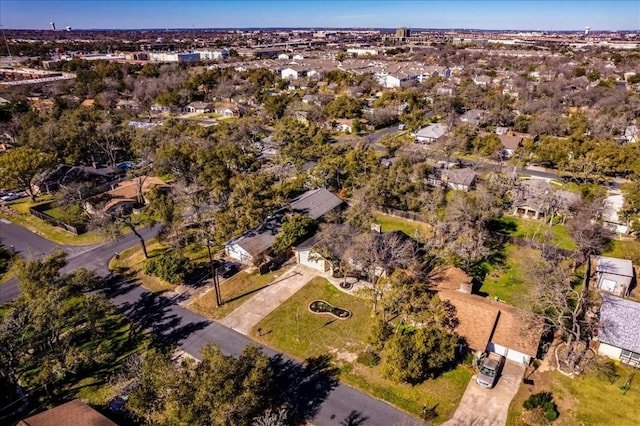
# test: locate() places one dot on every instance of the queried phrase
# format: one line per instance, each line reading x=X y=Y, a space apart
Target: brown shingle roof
x=481 y=319
x=73 y=413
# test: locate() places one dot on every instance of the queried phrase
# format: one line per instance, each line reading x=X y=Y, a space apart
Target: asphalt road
x=31 y=246
x=333 y=403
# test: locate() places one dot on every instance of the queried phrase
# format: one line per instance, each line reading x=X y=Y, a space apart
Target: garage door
x=510 y=354
x=518 y=357
x=500 y=350
x=315 y=264
x=608 y=285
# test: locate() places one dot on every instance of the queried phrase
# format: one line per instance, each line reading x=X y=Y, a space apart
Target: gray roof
x=433 y=131
x=464 y=176
x=260 y=239
x=611 y=265
x=620 y=323
x=315 y=203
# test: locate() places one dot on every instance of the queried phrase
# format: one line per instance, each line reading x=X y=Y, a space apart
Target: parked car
x=13 y=196
x=489 y=368
x=228 y=269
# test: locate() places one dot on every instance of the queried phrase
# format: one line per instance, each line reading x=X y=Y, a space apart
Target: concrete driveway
x=251 y=312
x=488 y=407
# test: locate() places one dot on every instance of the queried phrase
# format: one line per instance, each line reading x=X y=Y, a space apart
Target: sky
x=479 y=14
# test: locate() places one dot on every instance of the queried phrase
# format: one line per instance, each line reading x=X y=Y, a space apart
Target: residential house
x=394 y=80
x=124 y=196
x=510 y=142
x=535 y=199
x=127 y=104
x=446 y=90
x=459 y=179
x=199 y=107
x=88 y=103
x=229 y=110
x=614 y=275
x=165 y=108
x=72 y=413
x=346 y=124
x=475 y=117
x=254 y=246
x=619 y=330
x=308 y=253
x=294 y=72
x=431 y=133
x=482 y=80
x=488 y=325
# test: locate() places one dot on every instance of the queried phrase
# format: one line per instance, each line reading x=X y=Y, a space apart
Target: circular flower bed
x=323 y=307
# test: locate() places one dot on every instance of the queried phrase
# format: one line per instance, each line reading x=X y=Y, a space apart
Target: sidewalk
x=250 y=313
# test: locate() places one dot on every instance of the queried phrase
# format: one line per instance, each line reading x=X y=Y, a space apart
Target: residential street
x=189 y=330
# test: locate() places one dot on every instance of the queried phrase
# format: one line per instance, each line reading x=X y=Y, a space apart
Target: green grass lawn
x=132 y=261
x=393 y=223
x=531 y=229
x=234 y=292
x=508 y=282
x=58 y=235
x=585 y=400
x=625 y=249
x=313 y=335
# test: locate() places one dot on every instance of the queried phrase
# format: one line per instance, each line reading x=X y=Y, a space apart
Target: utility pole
x=297 y=324
x=214 y=273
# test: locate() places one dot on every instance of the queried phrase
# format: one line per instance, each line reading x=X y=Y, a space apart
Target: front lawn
x=234 y=292
x=410 y=227
x=585 y=400
x=132 y=260
x=298 y=332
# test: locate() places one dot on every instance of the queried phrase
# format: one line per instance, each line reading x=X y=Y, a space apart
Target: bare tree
x=377 y=255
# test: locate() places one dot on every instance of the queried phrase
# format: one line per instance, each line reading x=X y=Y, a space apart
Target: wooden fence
x=38 y=211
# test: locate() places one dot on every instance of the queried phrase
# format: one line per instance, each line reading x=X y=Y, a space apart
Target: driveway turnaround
x=251 y=312
x=489 y=407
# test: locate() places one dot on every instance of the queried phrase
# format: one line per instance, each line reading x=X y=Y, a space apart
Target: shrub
x=5 y=259
x=168 y=267
x=544 y=401
x=368 y=358
x=380 y=332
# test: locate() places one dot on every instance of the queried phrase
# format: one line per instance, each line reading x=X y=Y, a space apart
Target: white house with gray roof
x=619 y=330
x=614 y=275
x=431 y=133
x=253 y=246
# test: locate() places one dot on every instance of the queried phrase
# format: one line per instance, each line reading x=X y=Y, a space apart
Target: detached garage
x=487 y=325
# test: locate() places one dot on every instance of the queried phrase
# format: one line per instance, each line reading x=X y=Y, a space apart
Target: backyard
x=507 y=279
x=295 y=330
x=412 y=228
x=588 y=399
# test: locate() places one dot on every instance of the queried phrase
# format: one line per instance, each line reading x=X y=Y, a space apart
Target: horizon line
x=312 y=28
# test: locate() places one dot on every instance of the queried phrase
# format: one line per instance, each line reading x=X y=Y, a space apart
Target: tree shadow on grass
x=302 y=388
